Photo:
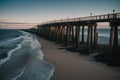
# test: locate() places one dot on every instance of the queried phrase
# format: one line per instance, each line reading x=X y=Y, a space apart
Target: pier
x=67 y=31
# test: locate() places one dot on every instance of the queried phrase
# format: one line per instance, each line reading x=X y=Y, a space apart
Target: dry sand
x=71 y=66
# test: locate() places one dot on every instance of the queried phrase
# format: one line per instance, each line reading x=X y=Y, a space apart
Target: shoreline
x=71 y=66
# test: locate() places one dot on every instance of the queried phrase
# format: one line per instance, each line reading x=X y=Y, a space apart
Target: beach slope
x=71 y=66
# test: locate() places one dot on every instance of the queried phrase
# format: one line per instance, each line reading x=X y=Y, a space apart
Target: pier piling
x=68 y=31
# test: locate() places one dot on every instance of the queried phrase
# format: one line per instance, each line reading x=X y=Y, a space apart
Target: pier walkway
x=68 y=30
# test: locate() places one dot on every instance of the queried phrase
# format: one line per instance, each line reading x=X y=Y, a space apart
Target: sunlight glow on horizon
x=39 y=11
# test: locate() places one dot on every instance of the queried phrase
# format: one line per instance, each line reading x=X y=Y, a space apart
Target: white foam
x=37 y=67
x=104 y=35
x=37 y=70
x=9 y=54
x=17 y=72
x=34 y=45
x=17 y=38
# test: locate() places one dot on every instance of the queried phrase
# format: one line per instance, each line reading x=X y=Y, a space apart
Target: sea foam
x=36 y=68
x=9 y=54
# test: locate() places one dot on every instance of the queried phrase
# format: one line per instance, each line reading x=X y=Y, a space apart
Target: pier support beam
x=76 y=28
x=68 y=36
x=60 y=37
x=89 y=38
x=51 y=35
x=82 y=34
x=115 y=45
x=92 y=36
x=55 y=33
x=49 y=32
x=73 y=37
x=77 y=36
x=58 y=33
x=111 y=36
x=114 y=38
x=95 y=36
x=63 y=33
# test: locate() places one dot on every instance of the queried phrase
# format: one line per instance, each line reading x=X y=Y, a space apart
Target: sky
x=38 y=11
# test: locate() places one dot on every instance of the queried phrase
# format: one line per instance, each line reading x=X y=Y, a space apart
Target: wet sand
x=71 y=66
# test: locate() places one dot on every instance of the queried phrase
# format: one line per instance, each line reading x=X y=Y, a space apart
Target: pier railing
x=68 y=31
x=89 y=18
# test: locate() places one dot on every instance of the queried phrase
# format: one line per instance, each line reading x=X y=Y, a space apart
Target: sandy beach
x=71 y=66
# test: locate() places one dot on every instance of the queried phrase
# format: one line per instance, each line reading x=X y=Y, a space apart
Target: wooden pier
x=68 y=31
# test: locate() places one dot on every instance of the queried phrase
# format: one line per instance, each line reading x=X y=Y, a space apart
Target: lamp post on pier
x=91 y=15
x=113 y=13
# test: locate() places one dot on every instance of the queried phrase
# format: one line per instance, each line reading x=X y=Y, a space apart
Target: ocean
x=103 y=36
x=21 y=57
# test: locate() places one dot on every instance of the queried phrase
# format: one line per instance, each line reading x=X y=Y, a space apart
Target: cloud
x=14 y=25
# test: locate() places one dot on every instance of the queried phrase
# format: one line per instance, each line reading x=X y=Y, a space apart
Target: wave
x=15 y=39
x=36 y=68
x=9 y=46
x=13 y=76
x=9 y=54
x=22 y=71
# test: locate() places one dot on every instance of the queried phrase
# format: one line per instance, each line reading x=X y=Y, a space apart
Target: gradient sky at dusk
x=37 y=11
